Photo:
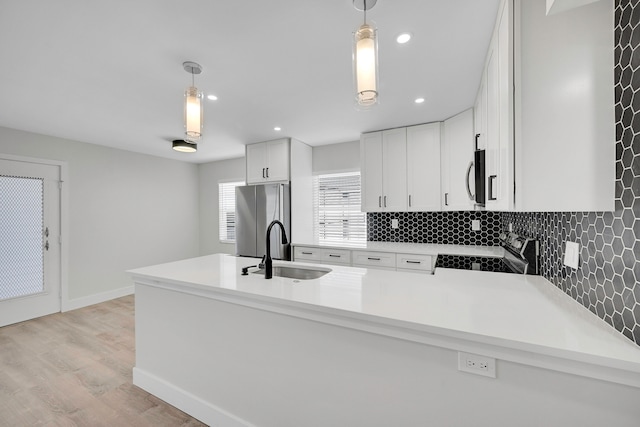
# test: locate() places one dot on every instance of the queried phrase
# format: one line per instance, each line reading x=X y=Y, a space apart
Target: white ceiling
x=110 y=72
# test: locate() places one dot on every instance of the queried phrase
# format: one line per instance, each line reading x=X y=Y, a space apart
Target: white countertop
x=412 y=248
x=526 y=314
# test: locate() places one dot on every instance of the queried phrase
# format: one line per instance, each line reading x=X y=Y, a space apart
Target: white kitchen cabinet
x=498 y=78
x=564 y=115
x=415 y=263
x=423 y=167
x=322 y=255
x=457 y=162
x=268 y=161
x=383 y=156
x=378 y=260
x=547 y=109
x=381 y=260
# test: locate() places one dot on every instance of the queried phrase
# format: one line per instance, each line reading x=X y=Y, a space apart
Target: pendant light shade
x=184 y=146
x=365 y=59
x=193 y=106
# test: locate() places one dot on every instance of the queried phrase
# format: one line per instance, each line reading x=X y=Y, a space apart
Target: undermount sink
x=299 y=272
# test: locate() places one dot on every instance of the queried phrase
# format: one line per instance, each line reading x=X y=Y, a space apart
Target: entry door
x=29 y=240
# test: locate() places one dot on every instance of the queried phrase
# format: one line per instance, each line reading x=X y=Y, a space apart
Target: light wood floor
x=74 y=369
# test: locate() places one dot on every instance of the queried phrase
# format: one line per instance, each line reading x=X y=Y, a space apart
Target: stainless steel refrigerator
x=256 y=207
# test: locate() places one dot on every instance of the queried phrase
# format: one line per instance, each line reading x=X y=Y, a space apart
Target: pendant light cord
x=365 y=12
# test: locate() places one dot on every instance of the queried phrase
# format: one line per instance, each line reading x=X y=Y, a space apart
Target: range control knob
x=517 y=244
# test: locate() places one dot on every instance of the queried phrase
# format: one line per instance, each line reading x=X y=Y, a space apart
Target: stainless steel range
x=522 y=256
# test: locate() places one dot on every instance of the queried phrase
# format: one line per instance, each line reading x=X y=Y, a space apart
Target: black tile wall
x=434 y=227
x=608 y=280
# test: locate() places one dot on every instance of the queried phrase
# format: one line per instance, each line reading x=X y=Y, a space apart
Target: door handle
x=379 y=201
x=491 y=178
x=385 y=201
x=263 y=173
x=413 y=262
x=267 y=172
x=446 y=199
x=472 y=197
x=409 y=200
x=373 y=259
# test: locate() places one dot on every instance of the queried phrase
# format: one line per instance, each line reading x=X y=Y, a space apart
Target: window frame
x=355 y=233
x=224 y=198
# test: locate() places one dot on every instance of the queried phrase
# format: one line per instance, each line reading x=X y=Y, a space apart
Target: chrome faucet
x=268 y=264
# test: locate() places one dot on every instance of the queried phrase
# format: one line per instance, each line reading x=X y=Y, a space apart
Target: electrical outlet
x=476 y=364
x=394 y=223
x=475 y=225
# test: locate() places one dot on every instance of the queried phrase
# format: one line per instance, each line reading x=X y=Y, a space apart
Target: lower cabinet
x=322 y=256
x=416 y=263
x=380 y=260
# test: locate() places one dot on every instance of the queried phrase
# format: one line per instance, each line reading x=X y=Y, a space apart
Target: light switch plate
x=572 y=254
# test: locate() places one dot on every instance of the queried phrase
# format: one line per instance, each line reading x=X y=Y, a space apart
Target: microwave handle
x=472 y=197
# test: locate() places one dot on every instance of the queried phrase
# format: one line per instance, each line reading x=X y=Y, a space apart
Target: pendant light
x=193 y=107
x=365 y=58
x=184 y=146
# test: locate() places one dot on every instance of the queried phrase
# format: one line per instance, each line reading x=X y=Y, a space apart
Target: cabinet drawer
x=304 y=253
x=374 y=259
x=414 y=262
x=338 y=256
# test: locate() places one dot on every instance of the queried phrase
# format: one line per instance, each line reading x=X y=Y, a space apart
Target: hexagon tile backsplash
x=608 y=280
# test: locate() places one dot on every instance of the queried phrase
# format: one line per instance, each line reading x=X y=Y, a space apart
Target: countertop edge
x=592 y=366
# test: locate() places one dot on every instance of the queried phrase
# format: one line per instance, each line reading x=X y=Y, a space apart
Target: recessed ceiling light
x=212 y=97
x=419 y=100
x=277 y=128
x=403 y=38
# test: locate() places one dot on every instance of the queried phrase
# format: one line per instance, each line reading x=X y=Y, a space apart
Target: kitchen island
x=360 y=347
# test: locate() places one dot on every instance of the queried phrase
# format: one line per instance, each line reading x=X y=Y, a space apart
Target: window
x=337 y=216
x=227 y=208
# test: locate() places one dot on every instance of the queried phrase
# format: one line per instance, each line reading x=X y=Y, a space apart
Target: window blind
x=227 y=209
x=337 y=215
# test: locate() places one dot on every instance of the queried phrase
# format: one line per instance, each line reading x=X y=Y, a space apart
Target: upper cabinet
x=401 y=169
x=384 y=170
x=268 y=161
x=545 y=109
x=498 y=113
x=457 y=144
x=423 y=167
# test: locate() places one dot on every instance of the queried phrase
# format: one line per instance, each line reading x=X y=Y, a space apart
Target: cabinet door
x=480 y=115
x=499 y=155
x=394 y=172
x=277 y=164
x=457 y=158
x=423 y=167
x=371 y=171
x=256 y=158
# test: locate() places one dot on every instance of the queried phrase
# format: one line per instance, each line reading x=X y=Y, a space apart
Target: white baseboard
x=96 y=299
x=186 y=402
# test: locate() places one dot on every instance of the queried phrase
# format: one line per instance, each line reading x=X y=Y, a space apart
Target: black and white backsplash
x=608 y=280
x=453 y=228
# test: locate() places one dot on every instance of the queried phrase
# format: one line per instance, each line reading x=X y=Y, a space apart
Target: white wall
x=126 y=210
x=336 y=158
x=210 y=174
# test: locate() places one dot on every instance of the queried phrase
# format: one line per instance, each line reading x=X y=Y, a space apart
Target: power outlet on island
x=394 y=223
x=476 y=364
